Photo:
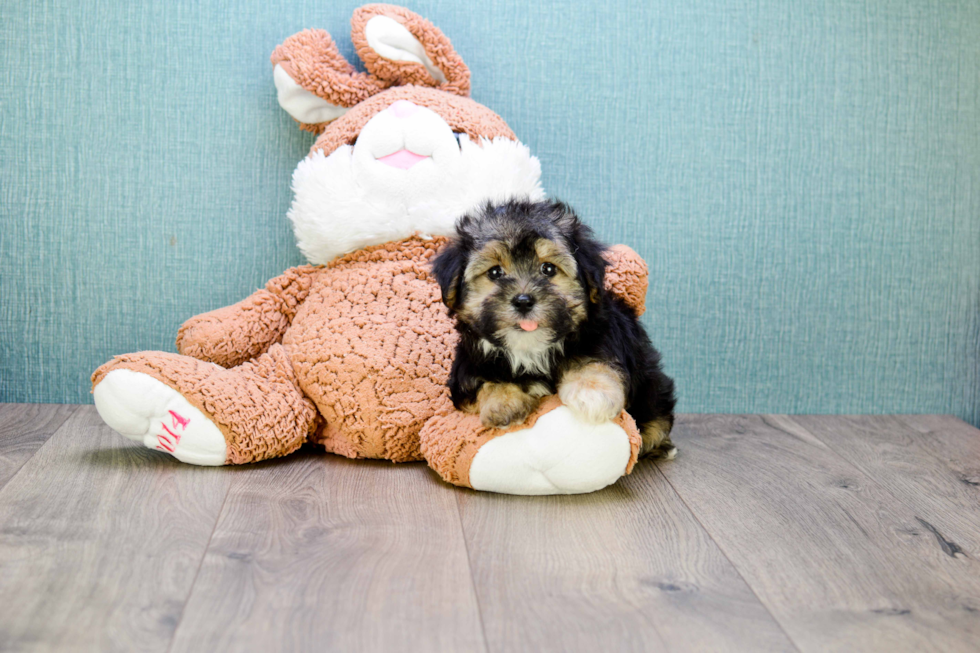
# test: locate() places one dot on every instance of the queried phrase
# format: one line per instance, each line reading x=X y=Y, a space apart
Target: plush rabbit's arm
x=234 y=334
x=627 y=276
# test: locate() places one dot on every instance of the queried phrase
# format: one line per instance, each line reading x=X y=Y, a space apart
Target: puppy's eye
x=548 y=269
x=495 y=272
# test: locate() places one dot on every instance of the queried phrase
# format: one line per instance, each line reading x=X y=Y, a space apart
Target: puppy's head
x=522 y=275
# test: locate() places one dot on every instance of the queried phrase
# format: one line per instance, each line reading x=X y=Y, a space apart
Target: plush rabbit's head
x=402 y=149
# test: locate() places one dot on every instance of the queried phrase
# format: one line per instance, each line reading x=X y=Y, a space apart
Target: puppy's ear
x=448 y=269
x=585 y=248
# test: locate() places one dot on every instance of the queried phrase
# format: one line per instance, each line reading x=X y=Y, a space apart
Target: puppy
x=525 y=282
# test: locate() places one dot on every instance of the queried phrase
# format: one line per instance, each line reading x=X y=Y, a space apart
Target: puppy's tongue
x=528 y=325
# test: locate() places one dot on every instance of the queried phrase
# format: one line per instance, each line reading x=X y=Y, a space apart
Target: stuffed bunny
x=353 y=351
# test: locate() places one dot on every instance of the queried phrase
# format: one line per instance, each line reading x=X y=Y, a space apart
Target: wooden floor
x=766 y=533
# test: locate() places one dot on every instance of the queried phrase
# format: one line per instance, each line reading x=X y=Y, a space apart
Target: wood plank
x=100 y=541
x=838 y=560
x=624 y=569
x=955 y=442
x=318 y=552
x=936 y=472
x=23 y=429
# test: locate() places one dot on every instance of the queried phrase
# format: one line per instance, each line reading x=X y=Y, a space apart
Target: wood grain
x=100 y=541
x=954 y=442
x=766 y=533
x=317 y=552
x=838 y=560
x=23 y=429
x=624 y=569
x=935 y=471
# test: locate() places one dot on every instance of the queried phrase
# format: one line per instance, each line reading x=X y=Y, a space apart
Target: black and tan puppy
x=525 y=281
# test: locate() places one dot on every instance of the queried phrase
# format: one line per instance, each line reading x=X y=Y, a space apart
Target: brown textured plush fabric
x=451 y=439
x=402 y=73
x=231 y=335
x=463 y=115
x=257 y=406
x=627 y=276
x=372 y=347
x=312 y=59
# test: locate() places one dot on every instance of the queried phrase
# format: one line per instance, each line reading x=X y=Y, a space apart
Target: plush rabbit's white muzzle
x=404 y=158
x=406 y=137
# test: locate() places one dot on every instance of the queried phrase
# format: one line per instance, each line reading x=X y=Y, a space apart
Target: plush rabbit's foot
x=554 y=452
x=559 y=454
x=148 y=411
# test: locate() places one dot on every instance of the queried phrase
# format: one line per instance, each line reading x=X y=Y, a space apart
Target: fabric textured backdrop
x=803 y=178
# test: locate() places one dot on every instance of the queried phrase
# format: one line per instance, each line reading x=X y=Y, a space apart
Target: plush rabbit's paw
x=152 y=413
x=559 y=454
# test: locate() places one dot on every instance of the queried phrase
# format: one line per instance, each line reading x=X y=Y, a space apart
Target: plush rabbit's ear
x=315 y=84
x=403 y=48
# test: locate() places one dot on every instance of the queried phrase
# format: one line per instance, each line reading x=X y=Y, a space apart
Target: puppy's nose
x=523 y=302
x=403 y=108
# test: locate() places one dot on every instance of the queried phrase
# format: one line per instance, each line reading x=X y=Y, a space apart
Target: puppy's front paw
x=593 y=392
x=504 y=404
x=499 y=416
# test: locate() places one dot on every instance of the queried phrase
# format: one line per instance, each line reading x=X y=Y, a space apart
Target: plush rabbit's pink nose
x=403 y=109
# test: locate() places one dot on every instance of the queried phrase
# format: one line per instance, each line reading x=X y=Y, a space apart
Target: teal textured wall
x=802 y=176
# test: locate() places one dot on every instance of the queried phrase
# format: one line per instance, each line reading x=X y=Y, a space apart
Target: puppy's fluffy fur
x=525 y=282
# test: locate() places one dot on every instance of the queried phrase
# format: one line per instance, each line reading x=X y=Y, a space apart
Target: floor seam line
x=469 y=565
x=200 y=565
x=74 y=410
x=738 y=571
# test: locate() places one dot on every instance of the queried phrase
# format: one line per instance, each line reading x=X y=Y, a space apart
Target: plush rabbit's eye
x=495 y=273
x=548 y=269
